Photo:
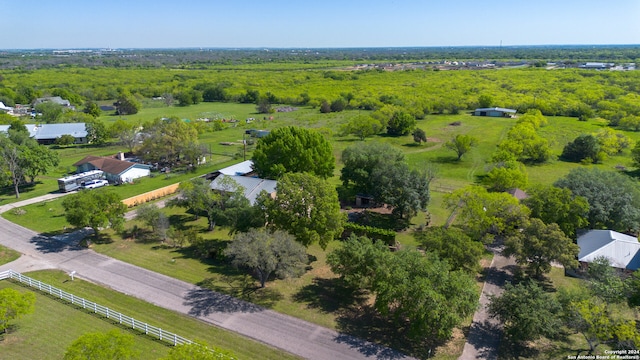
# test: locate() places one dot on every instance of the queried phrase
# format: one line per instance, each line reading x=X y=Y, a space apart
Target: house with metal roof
x=116 y=171
x=495 y=112
x=623 y=251
x=48 y=133
x=252 y=186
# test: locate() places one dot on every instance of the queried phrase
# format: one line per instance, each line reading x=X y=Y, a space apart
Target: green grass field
x=38 y=335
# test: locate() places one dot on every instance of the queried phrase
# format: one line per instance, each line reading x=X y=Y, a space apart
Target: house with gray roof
x=48 y=133
x=53 y=99
x=623 y=251
x=252 y=186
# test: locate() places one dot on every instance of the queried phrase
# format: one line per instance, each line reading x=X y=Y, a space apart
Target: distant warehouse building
x=495 y=112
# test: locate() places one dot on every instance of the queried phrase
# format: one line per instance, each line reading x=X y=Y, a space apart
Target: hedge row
x=373 y=233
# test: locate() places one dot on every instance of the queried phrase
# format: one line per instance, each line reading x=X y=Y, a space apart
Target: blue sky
x=27 y=24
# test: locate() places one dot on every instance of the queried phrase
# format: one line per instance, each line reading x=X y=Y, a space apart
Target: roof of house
x=241 y=168
x=623 y=251
x=498 y=109
x=54 y=99
x=53 y=131
x=518 y=194
x=109 y=165
x=253 y=186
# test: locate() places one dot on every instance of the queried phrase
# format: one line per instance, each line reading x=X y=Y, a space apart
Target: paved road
x=290 y=334
x=485 y=333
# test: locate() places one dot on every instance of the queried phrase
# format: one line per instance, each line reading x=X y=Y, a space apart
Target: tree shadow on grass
x=446 y=160
x=243 y=288
x=365 y=322
x=329 y=295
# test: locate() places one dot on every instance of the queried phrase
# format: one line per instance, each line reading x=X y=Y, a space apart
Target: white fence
x=125 y=320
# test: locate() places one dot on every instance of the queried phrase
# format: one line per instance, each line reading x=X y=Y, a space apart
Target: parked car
x=92 y=184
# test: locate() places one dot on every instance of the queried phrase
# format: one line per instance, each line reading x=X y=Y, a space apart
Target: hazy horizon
x=330 y=24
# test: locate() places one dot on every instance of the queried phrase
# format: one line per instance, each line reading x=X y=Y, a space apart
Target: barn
x=495 y=112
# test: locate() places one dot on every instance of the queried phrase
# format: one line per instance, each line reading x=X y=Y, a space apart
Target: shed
x=495 y=112
x=623 y=251
x=116 y=171
x=48 y=133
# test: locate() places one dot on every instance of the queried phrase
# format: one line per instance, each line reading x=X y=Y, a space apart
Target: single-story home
x=244 y=168
x=252 y=186
x=518 y=194
x=495 y=112
x=48 y=133
x=623 y=251
x=115 y=170
x=54 y=99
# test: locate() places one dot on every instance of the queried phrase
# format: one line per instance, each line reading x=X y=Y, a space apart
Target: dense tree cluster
x=293 y=149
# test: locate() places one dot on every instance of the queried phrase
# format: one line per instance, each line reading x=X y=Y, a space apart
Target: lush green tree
x=267 y=252
x=264 y=106
x=338 y=105
x=558 y=205
x=11 y=164
x=527 y=312
x=37 y=160
x=401 y=123
x=419 y=294
x=154 y=218
x=614 y=199
x=307 y=207
x=92 y=109
x=361 y=160
x=220 y=207
x=453 y=245
x=293 y=149
x=249 y=97
x=165 y=140
x=605 y=282
x=598 y=324
x=97 y=132
x=358 y=261
x=631 y=122
x=612 y=142
x=485 y=101
x=461 y=144
x=65 y=140
x=14 y=304
x=49 y=112
x=197 y=351
x=483 y=215
x=635 y=154
x=96 y=209
x=126 y=132
x=215 y=93
x=632 y=284
x=538 y=245
x=422 y=296
x=362 y=126
x=127 y=104
x=583 y=148
x=406 y=191
x=506 y=175
x=114 y=344
x=419 y=136
x=188 y=97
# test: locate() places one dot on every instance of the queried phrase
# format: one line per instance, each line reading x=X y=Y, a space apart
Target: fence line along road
x=150 y=330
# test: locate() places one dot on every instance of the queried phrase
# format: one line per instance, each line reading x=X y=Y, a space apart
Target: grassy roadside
x=7 y=255
x=31 y=340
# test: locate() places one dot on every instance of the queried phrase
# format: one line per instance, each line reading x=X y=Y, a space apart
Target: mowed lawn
x=54 y=325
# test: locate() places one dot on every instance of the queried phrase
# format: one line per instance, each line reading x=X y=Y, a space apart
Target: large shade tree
x=307 y=207
x=558 y=205
x=267 y=253
x=614 y=199
x=96 y=209
x=13 y=305
x=293 y=149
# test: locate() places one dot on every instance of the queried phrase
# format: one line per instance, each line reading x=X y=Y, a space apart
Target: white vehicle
x=92 y=184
